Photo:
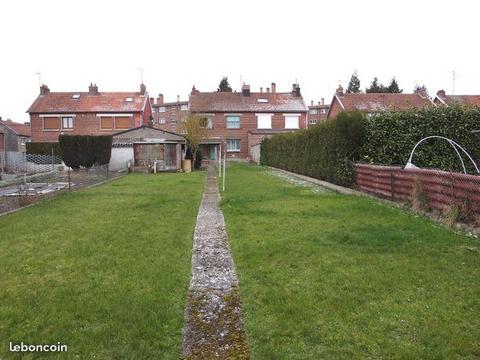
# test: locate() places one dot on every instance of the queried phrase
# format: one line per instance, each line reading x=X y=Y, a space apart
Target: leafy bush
x=85 y=150
x=391 y=136
x=325 y=151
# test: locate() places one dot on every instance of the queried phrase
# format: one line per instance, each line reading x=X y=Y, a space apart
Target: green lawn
x=104 y=270
x=334 y=276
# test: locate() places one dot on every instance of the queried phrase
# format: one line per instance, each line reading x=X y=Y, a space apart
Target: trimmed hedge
x=85 y=150
x=325 y=151
x=44 y=148
x=391 y=136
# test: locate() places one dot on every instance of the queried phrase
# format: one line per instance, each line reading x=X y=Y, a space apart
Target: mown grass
x=104 y=270
x=333 y=276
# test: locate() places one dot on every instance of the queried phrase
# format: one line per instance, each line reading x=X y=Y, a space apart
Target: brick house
x=317 y=113
x=442 y=99
x=14 y=136
x=376 y=101
x=87 y=113
x=239 y=121
x=166 y=116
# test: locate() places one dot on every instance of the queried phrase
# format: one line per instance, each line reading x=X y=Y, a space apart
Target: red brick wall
x=335 y=108
x=83 y=124
x=441 y=188
x=172 y=116
x=248 y=122
x=2 y=142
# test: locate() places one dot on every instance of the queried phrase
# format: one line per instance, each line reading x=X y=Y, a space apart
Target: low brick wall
x=441 y=188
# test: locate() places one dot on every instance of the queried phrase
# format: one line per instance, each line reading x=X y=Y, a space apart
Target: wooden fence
x=441 y=188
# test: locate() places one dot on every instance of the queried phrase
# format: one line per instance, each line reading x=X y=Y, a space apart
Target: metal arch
x=455 y=146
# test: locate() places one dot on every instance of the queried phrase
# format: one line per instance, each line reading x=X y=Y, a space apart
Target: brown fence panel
x=441 y=188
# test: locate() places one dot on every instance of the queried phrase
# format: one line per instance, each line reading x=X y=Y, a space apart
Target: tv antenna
x=39 y=78
x=454 y=77
x=141 y=74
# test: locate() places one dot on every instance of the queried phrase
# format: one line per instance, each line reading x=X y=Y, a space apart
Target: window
x=51 y=123
x=262 y=100
x=291 y=121
x=233 y=121
x=76 y=96
x=323 y=111
x=313 y=111
x=122 y=122
x=184 y=107
x=106 y=122
x=129 y=99
x=233 y=145
x=162 y=120
x=206 y=122
x=23 y=140
x=161 y=109
x=264 y=121
x=67 y=122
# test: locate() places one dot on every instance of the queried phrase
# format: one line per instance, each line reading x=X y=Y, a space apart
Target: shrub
x=198 y=160
x=325 y=151
x=85 y=150
x=391 y=136
x=44 y=148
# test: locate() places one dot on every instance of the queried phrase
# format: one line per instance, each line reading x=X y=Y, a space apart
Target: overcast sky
x=181 y=43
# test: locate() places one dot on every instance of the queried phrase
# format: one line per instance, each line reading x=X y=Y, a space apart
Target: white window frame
x=162 y=120
x=236 y=149
x=231 y=116
x=263 y=117
x=184 y=107
x=209 y=118
x=289 y=117
x=161 y=109
x=68 y=128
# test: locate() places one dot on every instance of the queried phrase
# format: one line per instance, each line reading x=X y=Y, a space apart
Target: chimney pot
x=93 y=89
x=160 y=99
x=339 y=90
x=274 y=88
x=178 y=98
x=143 y=89
x=261 y=89
x=268 y=90
x=44 y=89
x=152 y=101
x=311 y=103
x=194 y=90
x=322 y=101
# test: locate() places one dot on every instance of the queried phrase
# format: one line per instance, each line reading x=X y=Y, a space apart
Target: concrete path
x=213 y=326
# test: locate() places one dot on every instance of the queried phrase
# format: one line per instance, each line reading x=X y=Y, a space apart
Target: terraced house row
x=238 y=121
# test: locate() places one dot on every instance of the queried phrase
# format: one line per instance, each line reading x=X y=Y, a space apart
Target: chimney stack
x=268 y=90
x=322 y=101
x=194 y=90
x=93 y=89
x=441 y=94
x=296 y=90
x=160 y=99
x=44 y=89
x=245 y=90
x=143 y=89
x=274 y=88
x=152 y=101
x=178 y=98
x=339 y=90
x=261 y=89
x=311 y=103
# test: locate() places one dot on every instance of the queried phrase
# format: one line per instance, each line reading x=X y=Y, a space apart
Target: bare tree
x=195 y=128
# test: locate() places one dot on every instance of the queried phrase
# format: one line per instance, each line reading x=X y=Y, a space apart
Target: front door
x=213 y=152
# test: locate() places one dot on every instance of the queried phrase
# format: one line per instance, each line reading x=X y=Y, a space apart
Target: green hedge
x=44 y=148
x=85 y=150
x=325 y=151
x=391 y=136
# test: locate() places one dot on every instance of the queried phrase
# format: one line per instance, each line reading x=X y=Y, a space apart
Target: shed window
x=233 y=145
x=264 y=121
x=233 y=122
x=51 y=123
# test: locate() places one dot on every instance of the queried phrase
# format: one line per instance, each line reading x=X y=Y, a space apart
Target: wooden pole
x=224 y=166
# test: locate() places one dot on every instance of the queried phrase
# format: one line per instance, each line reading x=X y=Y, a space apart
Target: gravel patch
x=214 y=327
x=298 y=182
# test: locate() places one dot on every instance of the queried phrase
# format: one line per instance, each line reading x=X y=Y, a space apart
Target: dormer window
x=129 y=99
x=76 y=96
x=262 y=100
